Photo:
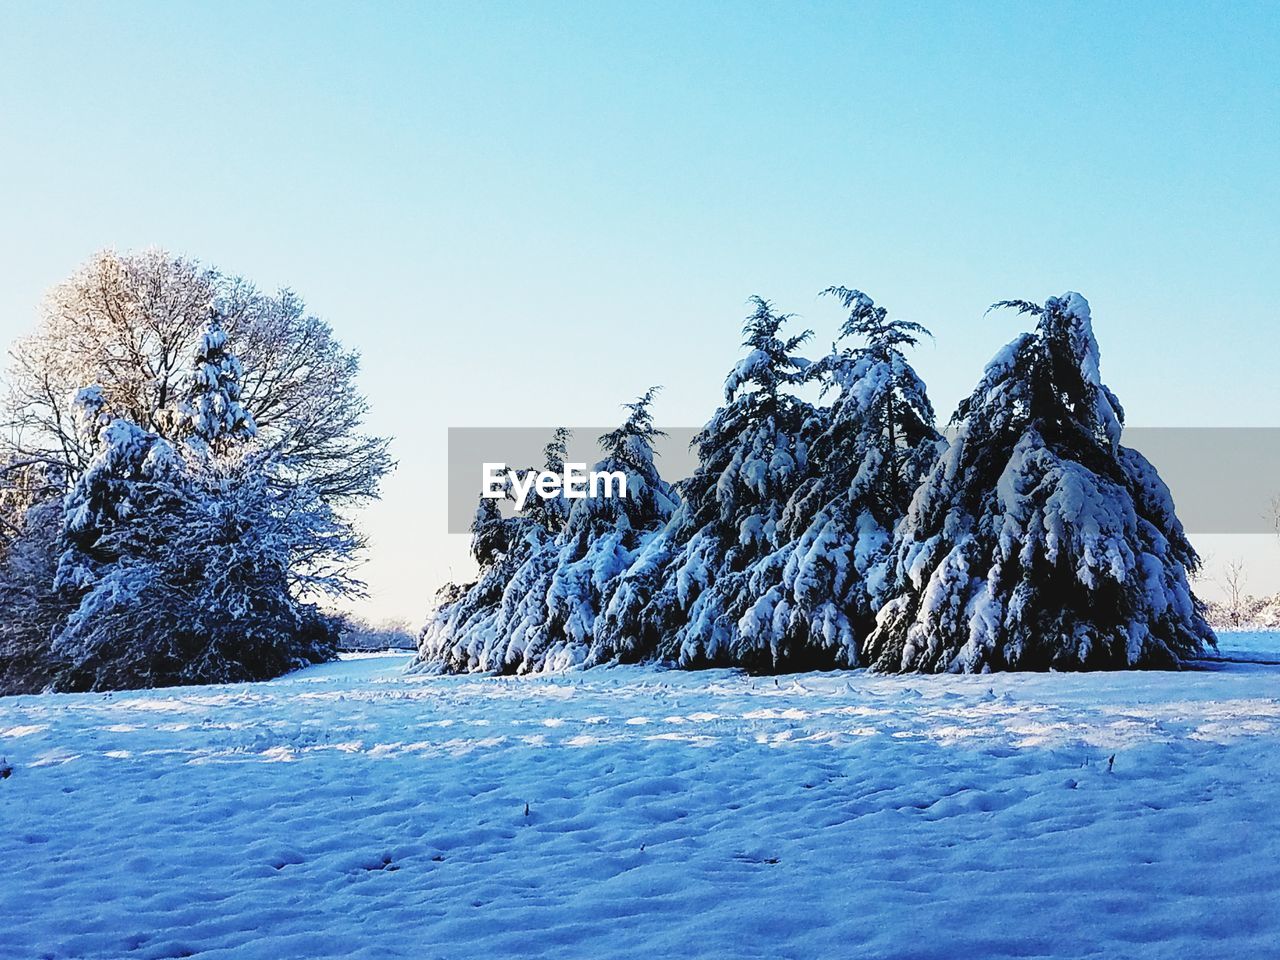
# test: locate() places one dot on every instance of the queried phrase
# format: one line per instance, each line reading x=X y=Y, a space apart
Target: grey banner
x=1224 y=480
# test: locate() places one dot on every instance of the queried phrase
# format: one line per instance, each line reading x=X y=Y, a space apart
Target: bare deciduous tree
x=1237 y=601
x=129 y=323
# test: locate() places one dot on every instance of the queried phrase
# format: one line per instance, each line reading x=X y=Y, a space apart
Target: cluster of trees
x=360 y=634
x=1238 y=609
x=851 y=532
x=179 y=457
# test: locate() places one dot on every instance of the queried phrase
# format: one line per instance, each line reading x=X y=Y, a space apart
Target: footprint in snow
x=747 y=858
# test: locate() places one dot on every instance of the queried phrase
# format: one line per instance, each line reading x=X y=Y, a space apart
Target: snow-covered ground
x=350 y=810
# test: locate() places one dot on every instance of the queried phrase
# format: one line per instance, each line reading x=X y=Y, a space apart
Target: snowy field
x=349 y=810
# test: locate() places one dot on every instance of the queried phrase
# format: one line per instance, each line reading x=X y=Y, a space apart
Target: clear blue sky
x=525 y=214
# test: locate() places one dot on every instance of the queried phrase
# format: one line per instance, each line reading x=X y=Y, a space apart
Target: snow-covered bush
x=31 y=610
x=1244 y=612
x=1038 y=541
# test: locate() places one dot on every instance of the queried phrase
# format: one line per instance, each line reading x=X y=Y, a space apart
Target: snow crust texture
x=351 y=810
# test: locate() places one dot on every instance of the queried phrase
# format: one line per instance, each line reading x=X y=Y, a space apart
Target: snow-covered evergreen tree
x=1038 y=541
x=181 y=565
x=816 y=596
x=473 y=625
x=135 y=474
x=550 y=513
x=538 y=597
x=470 y=626
x=121 y=519
x=601 y=540
x=685 y=592
x=213 y=410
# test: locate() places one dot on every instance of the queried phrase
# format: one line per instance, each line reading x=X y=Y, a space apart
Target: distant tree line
x=849 y=532
x=357 y=634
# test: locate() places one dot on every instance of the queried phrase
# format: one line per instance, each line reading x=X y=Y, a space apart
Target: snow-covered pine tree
x=492 y=534
x=182 y=566
x=685 y=592
x=134 y=474
x=472 y=626
x=213 y=412
x=601 y=540
x=124 y=515
x=818 y=593
x=536 y=604
x=495 y=538
x=628 y=450
x=1038 y=541
x=552 y=512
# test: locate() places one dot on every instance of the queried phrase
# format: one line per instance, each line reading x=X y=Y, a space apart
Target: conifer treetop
x=872 y=323
x=214 y=411
x=1056 y=370
x=618 y=443
x=771 y=362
